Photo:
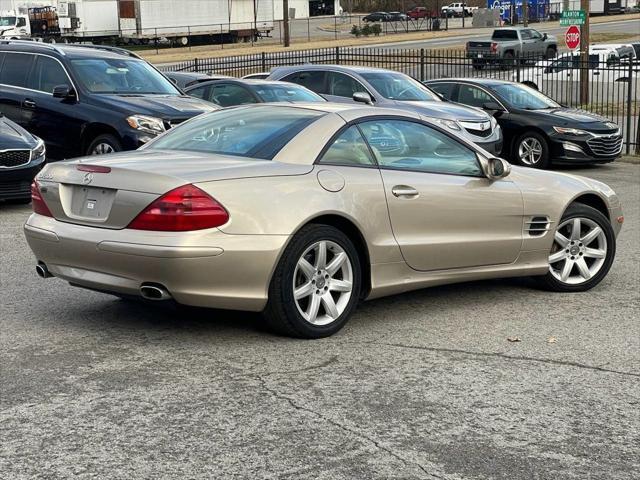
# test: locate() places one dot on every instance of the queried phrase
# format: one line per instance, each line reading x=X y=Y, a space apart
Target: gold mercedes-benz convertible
x=302 y=211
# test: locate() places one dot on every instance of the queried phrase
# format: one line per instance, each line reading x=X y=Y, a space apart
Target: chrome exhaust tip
x=42 y=270
x=154 y=292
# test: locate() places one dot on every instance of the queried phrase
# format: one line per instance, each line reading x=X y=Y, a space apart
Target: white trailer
x=180 y=21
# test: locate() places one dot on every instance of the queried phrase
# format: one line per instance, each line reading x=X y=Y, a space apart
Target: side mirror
x=362 y=97
x=544 y=36
x=492 y=106
x=497 y=168
x=63 y=91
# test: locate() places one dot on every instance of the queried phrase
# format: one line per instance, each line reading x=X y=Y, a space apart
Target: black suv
x=86 y=99
x=21 y=157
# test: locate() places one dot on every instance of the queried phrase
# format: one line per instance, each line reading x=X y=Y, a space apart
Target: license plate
x=480 y=55
x=92 y=202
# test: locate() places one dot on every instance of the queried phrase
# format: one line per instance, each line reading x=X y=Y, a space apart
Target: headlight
x=453 y=125
x=494 y=123
x=571 y=131
x=146 y=124
x=39 y=150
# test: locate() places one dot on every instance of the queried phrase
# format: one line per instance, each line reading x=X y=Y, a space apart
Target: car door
x=55 y=120
x=444 y=212
x=528 y=43
x=341 y=87
x=14 y=75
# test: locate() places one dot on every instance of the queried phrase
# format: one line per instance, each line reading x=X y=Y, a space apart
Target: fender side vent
x=537 y=226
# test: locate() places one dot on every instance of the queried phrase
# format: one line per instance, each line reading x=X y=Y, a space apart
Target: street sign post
x=573 y=17
x=572 y=37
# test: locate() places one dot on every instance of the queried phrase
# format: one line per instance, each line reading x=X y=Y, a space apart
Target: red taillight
x=185 y=208
x=93 y=168
x=37 y=201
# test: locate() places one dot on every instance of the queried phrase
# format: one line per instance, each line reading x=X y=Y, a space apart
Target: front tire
x=104 y=144
x=316 y=285
x=582 y=253
x=531 y=149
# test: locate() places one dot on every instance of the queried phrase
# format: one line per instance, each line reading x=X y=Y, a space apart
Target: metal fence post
x=189 y=36
x=422 y=65
x=155 y=39
x=264 y=61
x=337 y=55
x=629 y=100
x=196 y=65
x=308 y=29
x=335 y=27
x=518 y=65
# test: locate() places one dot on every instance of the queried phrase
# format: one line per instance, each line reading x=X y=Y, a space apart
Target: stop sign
x=572 y=37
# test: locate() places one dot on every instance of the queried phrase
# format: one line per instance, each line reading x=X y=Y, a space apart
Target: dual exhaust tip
x=148 y=291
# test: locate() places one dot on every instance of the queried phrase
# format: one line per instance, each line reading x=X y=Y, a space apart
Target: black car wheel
x=508 y=61
x=104 y=144
x=316 y=285
x=531 y=149
x=583 y=250
x=551 y=53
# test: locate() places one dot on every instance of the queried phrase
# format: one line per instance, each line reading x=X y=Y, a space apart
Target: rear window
x=240 y=132
x=15 y=69
x=504 y=35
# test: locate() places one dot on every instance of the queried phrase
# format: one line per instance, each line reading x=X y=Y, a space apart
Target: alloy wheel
x=102 y=149
x=322 y=282
x=530 y=151
x=579 y=251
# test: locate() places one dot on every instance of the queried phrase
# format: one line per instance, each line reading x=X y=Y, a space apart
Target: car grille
x=12 y=190
x=14 y=158
x=479 y=129
x=537 y=226
x=609 y=146
x=385 y=144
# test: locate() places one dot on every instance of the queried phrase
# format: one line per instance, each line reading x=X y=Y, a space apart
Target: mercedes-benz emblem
x=88 y=178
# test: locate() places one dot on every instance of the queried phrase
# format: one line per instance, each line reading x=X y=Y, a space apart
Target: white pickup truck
x=457 y=10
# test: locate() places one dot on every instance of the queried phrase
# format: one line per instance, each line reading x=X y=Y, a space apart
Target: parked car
x=227 y=93
x=306 y=214
x=506 y=44
x=377 y=17
x=397 y=17
x=389 y=89
x=256 y=76
x=538 y=131
x=418 y=12
x=565 y=69
x=86 y=99
x=187 y=79
x=22 y=155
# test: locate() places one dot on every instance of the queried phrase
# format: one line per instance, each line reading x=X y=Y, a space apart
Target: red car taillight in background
x=180 y=210
x=37 y=202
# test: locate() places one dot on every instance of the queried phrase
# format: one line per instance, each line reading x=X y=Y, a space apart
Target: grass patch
x=612 y=37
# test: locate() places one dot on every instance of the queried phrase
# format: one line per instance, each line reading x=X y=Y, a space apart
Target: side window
x=48 y=74
x=313 y=80
x=473 y=96
x=342 y=85
x=405 y=145
x=199 y=92
x=444 y=89
x=525 y=34
x=15 y=69
x=22 y=22
x=348 y=149
x=227 y=95
x=535 y=34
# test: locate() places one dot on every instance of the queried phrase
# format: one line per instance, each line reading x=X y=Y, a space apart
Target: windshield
x=286 y=93
x=241 y=131
x=124 y=76
x=7 y=21
x=523 y=97
x=397 y=86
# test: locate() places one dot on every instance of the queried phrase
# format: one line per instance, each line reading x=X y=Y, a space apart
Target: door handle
x=404 y=191
x=29 y=103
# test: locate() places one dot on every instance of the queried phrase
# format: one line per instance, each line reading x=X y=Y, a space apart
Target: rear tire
x=582 y=257
x=508 y=61
x=313 y=294
x=551 y=53
x=104 y=144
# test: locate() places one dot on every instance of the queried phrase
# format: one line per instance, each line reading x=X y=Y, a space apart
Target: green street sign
x=573 y=17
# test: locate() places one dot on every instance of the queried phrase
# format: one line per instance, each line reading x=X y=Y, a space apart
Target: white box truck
x=186 y=20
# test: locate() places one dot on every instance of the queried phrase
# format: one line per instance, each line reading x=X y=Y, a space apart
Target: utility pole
x=285 y=21
x=584 y=54
x=525 y=13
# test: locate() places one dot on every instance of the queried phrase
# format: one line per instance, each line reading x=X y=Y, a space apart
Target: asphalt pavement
x=424 y=385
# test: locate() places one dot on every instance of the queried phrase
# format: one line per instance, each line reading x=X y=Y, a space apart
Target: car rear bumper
x=205 y=268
